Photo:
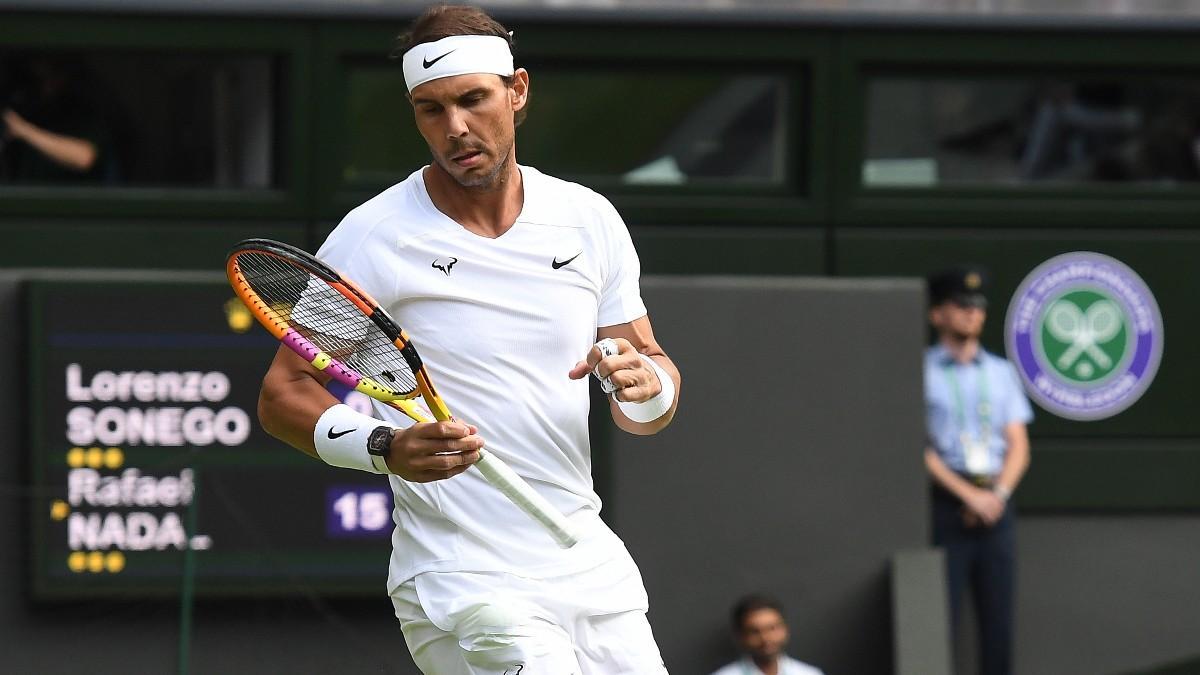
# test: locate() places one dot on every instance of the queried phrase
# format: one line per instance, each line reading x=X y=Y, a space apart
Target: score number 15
x=358 y=511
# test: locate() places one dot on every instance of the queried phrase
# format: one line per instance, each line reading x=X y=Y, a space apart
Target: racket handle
x=504 y=479
x=520 y=493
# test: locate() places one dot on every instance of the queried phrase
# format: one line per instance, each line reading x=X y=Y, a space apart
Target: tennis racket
x=340 y=330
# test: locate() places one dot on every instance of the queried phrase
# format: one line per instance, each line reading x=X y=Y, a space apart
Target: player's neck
x=488 y=211
x=961 y=349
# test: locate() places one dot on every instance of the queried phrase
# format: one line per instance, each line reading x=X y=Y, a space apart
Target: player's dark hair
x=750 y=604
x=443 y=21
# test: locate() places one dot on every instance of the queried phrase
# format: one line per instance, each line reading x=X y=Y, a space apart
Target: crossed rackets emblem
x=1084 y=331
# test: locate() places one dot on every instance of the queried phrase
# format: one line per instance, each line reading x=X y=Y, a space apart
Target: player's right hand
x=434 y=451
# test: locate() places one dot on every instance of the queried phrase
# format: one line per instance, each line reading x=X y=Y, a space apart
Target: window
x=383 y=145
x=603 y=127
x=139 y=118
x=658 y=126
x=1016 y=131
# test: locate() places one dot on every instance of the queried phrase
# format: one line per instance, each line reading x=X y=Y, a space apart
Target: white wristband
x=341 y=438
x=656 y=407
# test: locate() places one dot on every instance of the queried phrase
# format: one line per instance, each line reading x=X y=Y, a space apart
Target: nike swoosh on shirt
x=556 y=264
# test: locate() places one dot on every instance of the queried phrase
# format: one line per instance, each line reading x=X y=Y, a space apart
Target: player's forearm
x=291 y=417
x=289 y=407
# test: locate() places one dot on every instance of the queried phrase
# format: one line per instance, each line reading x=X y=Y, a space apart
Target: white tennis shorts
x=492 y=623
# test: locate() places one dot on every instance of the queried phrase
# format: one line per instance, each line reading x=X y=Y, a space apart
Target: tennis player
x=507 y=279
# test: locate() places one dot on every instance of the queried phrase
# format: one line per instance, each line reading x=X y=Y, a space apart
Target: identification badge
x=979 y=461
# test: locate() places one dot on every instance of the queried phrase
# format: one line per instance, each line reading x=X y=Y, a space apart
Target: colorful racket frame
x=322 y=361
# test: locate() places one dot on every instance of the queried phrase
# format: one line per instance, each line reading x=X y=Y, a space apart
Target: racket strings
x=328 y=319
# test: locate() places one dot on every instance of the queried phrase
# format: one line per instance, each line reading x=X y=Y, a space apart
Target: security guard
x=977 y=452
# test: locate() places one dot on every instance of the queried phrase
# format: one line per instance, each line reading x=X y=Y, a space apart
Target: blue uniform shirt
x=988 y=388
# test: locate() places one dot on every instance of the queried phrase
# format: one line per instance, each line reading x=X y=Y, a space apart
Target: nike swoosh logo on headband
x=429 y=64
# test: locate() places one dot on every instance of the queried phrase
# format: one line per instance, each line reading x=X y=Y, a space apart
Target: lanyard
x=985 y=405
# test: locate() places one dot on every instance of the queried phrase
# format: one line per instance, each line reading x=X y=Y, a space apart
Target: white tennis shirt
x=499 y=323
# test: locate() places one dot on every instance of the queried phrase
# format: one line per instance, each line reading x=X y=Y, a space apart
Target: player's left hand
x=632 y=379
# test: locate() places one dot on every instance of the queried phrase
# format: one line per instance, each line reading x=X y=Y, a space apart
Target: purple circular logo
x=1085 y=334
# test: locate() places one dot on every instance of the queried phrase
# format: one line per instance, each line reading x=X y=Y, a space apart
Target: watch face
x=380 y=440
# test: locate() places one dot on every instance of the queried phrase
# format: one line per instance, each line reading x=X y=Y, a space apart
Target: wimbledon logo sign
x=1085 y=334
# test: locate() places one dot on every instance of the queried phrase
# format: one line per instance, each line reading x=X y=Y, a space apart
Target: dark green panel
x=99 y=202
x=1188 y=666
x=141 y=245
x=728 y=250
x=76 y=30
x=1112 y=474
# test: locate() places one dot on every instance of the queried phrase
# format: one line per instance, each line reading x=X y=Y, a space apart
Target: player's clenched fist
x=621 y=370
x=433 y=451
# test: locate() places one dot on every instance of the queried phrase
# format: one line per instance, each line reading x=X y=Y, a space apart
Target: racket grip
x=504 y=479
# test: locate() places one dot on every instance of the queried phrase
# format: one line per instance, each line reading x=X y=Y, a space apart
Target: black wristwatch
x=378 y=444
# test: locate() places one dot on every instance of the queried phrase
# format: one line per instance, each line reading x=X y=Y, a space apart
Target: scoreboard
x=145 y=450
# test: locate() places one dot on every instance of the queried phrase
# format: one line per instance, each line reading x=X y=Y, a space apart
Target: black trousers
x=981 y=560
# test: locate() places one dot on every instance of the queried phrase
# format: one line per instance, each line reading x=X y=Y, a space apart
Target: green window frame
x=801 y=61
x=287 y=42
x=991 y=54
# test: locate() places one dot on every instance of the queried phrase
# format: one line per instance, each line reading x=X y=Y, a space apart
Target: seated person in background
x=50 y=130
x=761 y=635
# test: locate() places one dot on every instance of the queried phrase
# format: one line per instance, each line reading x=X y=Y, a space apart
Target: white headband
x=457 y=55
